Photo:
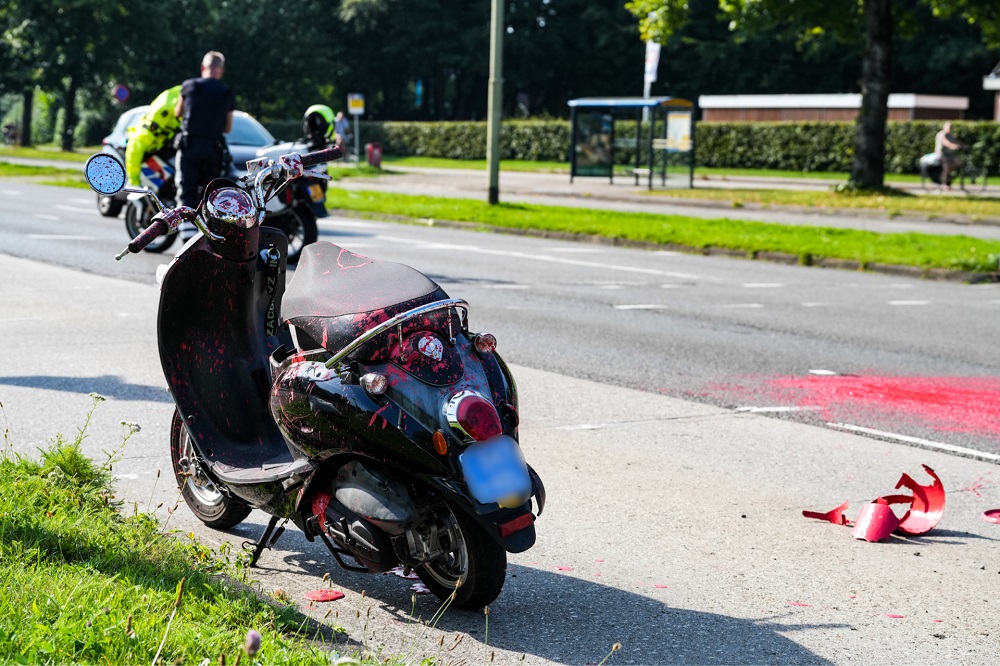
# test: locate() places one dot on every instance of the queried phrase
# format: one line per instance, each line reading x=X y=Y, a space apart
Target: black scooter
x=356 y=403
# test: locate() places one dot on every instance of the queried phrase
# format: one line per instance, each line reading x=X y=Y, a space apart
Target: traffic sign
x=121 y=93
x=355 y=104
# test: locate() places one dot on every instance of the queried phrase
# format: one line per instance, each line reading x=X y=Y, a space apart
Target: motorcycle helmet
x=317 y=124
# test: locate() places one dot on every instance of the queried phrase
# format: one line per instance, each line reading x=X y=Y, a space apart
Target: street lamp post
x=495 y=99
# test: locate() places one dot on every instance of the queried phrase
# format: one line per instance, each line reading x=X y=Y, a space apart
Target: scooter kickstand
x=266 y=539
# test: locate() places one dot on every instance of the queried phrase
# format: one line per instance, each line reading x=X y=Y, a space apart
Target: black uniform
x=207 y=103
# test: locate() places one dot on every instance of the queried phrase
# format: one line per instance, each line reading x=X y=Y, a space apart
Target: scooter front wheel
x=472 y=566
x=209 y=504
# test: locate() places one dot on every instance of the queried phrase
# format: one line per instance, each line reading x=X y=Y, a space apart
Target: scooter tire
x=209 y=504
x=136 y=223
x=109 y=206
x=473 y=570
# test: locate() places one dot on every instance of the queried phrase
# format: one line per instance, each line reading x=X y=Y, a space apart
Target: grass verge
x=893 y=203
x=81 y=154
x=713 y=173
x=89 y=580
x=808 y=243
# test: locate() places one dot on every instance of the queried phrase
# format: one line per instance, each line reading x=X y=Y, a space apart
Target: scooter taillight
x=474 y=415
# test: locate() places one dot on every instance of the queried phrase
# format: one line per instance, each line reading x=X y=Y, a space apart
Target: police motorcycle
x=301 y=202
x=356 y=402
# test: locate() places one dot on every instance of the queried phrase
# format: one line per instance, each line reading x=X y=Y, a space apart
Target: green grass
x=892 y=202
x=87 y=580
x=79 y=154
x=807 y=243
x=44 y=175
x=563 y=167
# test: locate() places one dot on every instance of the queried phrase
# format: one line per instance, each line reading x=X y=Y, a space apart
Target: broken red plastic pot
x=877 y=520
x=835 y=516
x=992 y=515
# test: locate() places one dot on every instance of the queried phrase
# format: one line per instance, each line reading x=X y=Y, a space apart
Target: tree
x=659 y=19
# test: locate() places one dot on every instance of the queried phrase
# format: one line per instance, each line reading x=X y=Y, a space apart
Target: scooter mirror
x=105 y=174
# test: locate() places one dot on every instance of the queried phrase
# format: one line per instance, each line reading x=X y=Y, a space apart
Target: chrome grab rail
x=394 y=321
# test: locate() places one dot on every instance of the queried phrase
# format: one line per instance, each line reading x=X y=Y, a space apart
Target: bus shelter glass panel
x=675 y=149
x=594 y=144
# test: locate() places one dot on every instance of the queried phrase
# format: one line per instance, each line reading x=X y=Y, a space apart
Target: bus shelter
x=646 y=136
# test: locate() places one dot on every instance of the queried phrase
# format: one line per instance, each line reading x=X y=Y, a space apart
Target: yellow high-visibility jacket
x=154 y=131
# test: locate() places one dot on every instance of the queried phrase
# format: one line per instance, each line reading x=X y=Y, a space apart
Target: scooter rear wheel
x=472 y=566
x=209 y=504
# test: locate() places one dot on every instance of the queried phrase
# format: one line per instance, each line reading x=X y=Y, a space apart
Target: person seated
x=945 y=148
x=153 y=133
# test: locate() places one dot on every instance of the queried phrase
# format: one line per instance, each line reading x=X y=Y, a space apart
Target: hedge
x=790 y=146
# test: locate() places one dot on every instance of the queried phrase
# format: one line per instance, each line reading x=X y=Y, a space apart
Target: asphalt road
x=674 y=521
x=903 y=358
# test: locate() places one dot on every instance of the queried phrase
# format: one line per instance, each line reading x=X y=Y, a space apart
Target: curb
x=942 y=274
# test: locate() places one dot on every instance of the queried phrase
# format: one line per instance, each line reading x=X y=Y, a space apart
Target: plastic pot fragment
x=877 y=520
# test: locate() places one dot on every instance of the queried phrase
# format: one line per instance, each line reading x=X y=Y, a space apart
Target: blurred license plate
x=316 y=193
x=495 y=470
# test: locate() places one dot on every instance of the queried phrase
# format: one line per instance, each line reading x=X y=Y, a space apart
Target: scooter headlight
x=231 y=206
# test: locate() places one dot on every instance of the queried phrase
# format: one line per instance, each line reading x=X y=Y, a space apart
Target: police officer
x=154 y=132
x=206 y=107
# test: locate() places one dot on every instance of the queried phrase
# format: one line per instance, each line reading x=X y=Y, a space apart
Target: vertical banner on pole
x=649 y=72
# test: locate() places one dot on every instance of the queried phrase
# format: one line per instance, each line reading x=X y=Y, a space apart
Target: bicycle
x=971 y=177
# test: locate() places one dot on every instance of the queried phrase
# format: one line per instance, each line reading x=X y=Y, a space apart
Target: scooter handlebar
x=157 y=228
x=321 y=156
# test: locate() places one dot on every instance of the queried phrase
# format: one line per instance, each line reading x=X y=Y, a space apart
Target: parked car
x=244 y=140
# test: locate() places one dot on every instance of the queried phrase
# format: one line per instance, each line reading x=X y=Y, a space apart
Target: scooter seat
x=336 y=295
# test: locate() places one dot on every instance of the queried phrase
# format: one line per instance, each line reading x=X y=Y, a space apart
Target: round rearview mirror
x=105 y=174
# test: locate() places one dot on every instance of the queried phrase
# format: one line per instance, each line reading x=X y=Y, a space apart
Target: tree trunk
x=70 y=119
x=868 y=166
x=27 y=103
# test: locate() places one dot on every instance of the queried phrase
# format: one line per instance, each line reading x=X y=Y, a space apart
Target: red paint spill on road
x=952 y=404
x=798 y=603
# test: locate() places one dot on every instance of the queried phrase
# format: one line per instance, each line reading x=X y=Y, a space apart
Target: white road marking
x=611 y=286
x=60 y=237
x=13 y=193
x=43 y=216
x=739 y=306
x=5 y=320
x=541 y=257
x=823 y=373
x=672 y=286
x=74 y=209
x=814 y=305
x=85 y=202
x=641 y=306
x=507 y=286
x=576 y=250
x=908 y=302
x=919 y=441
x=776 y=410
x=763 y=285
